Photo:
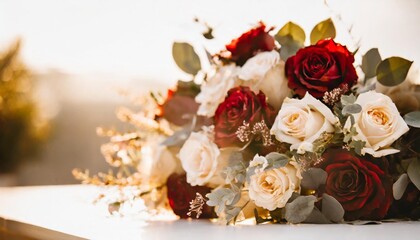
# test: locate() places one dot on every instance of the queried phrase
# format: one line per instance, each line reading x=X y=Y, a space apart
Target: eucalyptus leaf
x=275 y=156
x=224 y=196
x=332 y=209
x=351 y=109
x=322 y=30
x=370 y=61
x=392 y=71
x=250 y=171
x=300 y=209
x=186 y=58
x=317 y=217
x=290 y=31
x=289 y=48
x=313 y=178
x=276 y=160
x=400 y=186
x=235 y=172
x=232 y=213
x=348 y=99
x=413 y=172
x=413 y=119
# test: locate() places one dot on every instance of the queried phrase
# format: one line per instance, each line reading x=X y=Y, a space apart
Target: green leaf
x=357 y=146
x=332 y=209
x=351 y=109
x=290 y=31
x=250 y=172
x=232 y=213
x=413 y=119
x=392 y=71
x=348 y=99
x=186 y=58
x=298 y=210
x=236 y=171
x=413 y=172
x=276 y=160
x=399 y=186
x=370 y=61
x=313 y=178
x=289 y=48
x=322 y=30
x=317 y=217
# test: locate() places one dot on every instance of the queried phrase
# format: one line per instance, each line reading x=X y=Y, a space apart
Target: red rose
x=180 y=194
x=250 y=43
x=241 y=104
x=321 y=68
x=359 y=184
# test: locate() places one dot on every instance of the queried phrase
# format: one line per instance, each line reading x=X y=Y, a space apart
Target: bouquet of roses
x=277 y=131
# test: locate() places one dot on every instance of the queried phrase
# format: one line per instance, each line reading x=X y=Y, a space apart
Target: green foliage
x=316 y=217
x=290 y=31
x=357 y=146
x=392 y=71
x=235 y=173
x=400 y=186
x=313 y=178
x=289 y=49
x=291 y=38
x=332 y=209
x=323 y=30
x=348 y=99
x=186 y=58
x=299 y=209
x=413 y=172
x=370 y=61
x=222 y=197
x=276 y=160
x=351 y=109
x=413 y=119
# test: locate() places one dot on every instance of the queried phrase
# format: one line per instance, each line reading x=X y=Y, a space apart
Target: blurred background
x=74 y=56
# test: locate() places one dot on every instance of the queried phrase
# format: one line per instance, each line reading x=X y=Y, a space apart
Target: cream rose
x=301 y=122
x=157 y=162
x=271 y=189
x=213 y=92
x=379 y=124
x=202 y=160
x=265 y=72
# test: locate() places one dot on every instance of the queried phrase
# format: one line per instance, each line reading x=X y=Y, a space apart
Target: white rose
x=265 y=72
x=301 y=122
x=379 y=124
x=157 y=163
x=214 y=91
x=202 y=160
x=272 y=188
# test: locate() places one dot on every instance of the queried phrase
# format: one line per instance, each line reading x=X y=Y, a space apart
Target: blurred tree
x=22 y=129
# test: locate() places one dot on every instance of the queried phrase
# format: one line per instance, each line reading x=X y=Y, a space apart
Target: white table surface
x=69 y=209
